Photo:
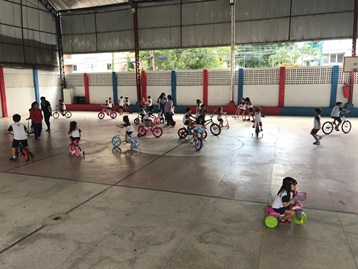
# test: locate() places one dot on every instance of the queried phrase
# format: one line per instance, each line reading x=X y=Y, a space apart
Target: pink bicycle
x=105 y=111
x=272 y=217
x=143 y=130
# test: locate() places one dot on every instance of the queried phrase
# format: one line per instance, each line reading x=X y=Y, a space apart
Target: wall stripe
x=115 y=87
x=240 y=86
x=87 y=93
x=174 y=85
x=144 y=85
x=281 y=90
x=36 y=84
x=205 y=86
x=335 y=71
x=3 y=93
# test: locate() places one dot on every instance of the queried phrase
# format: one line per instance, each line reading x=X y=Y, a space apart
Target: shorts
x=337 y=119
x=120 y=107
x=242 y=110
x=186 y=122
x=129 y=133
x=314 y=131
x=75 y=138
x=16 y=143
x=251 y=109
x=220 y=120
x=281 y=210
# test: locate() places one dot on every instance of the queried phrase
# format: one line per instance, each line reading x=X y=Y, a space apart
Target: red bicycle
x=105 y=111
x=143 y=130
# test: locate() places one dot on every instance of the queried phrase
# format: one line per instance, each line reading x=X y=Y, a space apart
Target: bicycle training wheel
x=25 y=154
x=182 y=133
x=113 y=114
x=157 y=132
x=142 y=131
x=198 y=144
x=136 y=120
x=116 y=141
x=215 y=129
x=101 y=115
x=327 y=127
x=68 y=114
x=346 y=126
x=55 y=115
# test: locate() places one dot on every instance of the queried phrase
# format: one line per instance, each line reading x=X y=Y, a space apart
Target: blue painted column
x=36 y=84
x=174 y=86
x=334 y=86
x=240 y=86
x=115 y=87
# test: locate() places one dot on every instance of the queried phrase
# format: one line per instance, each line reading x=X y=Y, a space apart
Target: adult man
x=47 y=111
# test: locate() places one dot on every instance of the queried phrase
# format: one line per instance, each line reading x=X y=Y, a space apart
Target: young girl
x=283 y=200
x=74 y=132
x=258 y=116
x=36 y=119
x=220 y=116
x=110 y=103
x=251 y=108
x=242 y=108
x=126 y=124
x=198 y=107
x=188 y=118
x=62 y=106
x=120 y=104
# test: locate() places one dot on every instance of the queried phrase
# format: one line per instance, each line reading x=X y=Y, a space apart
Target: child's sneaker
x=13 y=159
x=285 y=222
x=316 y=143
x=337 y=129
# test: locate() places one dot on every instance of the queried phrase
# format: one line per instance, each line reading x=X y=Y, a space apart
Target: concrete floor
x=167 y=206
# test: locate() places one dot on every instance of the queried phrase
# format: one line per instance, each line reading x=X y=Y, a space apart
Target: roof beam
x=50 y=7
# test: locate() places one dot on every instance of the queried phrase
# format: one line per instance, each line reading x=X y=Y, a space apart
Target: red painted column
x=205 y=86
x=87 y=94
x=144 y=85
x=3 y=93
x=281 y=91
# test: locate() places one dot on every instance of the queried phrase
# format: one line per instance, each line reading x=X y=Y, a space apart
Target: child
x=251 y=108
x=107 y=105
x=120 y=104
x=110 y=103
x=62 y=106
x=36 y=119
x=129 y=128
x=283 y=200
x=202 y=111
x=126 y=101
x=148 y=117
x=74 y=132
x=143 y=103
x=198 y=106
x=242 y=108
x=257 y=118
x=160 y=116
x=220 y=117
x=20 y=136
x=199 y=126
x=150 y=103
x=317 y=125
x=335 y=114
x=188 y=118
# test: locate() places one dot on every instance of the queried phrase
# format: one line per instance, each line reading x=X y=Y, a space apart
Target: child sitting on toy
x=126 y=124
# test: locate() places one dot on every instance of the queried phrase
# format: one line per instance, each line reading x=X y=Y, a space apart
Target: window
x=109 y=66
x=334 y=58
x=74 y=68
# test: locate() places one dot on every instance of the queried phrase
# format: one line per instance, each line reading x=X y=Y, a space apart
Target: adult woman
x=36 y=119
x=169 y=109
x=161 y=102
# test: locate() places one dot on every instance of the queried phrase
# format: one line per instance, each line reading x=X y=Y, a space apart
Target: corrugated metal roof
x=62 y=5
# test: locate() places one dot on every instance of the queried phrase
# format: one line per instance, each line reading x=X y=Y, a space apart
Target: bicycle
x=185 y=131
x=21 y=150
x=214 y=127
x=56 y=114
x=197 y=138
x=116 y=141
x=346 y=126
x=105 y=111
x=143 y=130
x=257 y=129
x=75 y=149
x=126 y=108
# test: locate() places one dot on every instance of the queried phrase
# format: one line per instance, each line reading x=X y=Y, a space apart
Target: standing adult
x=169 y=109
x=36 y=119
x=161 y=102
x=47 y=111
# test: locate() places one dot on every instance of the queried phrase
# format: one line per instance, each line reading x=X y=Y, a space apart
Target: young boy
x=317 y=125
x=335 y=114
x=20 y=136
x=188 y=118
x=110 y=103
x=62 y=107
x=121 y=103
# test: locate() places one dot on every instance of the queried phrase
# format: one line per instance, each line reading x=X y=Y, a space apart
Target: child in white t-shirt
x=121 y=104
x=74 y=132
x=188 y=118
x=126 y=124
x=61 y=106
x=220 y=117
x=257 y=117
x=335 y=114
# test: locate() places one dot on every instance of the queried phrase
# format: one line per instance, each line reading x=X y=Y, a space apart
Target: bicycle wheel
x=55 y=115
x=346 y=126
x=205 y=134
x=182 y=133
x=113 y=114
x=215 y=129
x=68 y=114
x=101 y=115
x=198 y=144
x=157 y=132
x=135 y=142
x=116 y=141
x=136 y=120
x=327 y=127
x=257 y=131
x=142 y=131
x=24 y=154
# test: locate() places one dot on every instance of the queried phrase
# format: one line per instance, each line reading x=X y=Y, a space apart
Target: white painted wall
x=130 y=91
x=20 y=91
x=262 y=95
x=49 y=86
x=219 y=95
x=79 y=90
x=99 y=94
x=156 y=91
x=307 y=95
x=340 y=97
x=187 y=95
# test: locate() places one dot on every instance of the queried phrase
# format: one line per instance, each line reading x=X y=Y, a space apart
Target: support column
x=354 y=47
x=115 y=87
x=87 y=93
x=144 y=84
x=334 y=86
x=205 y=86
x=36 y=84
x=282 y=87
x=3 y=93
x=240 y=86
x=174 y=85
x=232 y=69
